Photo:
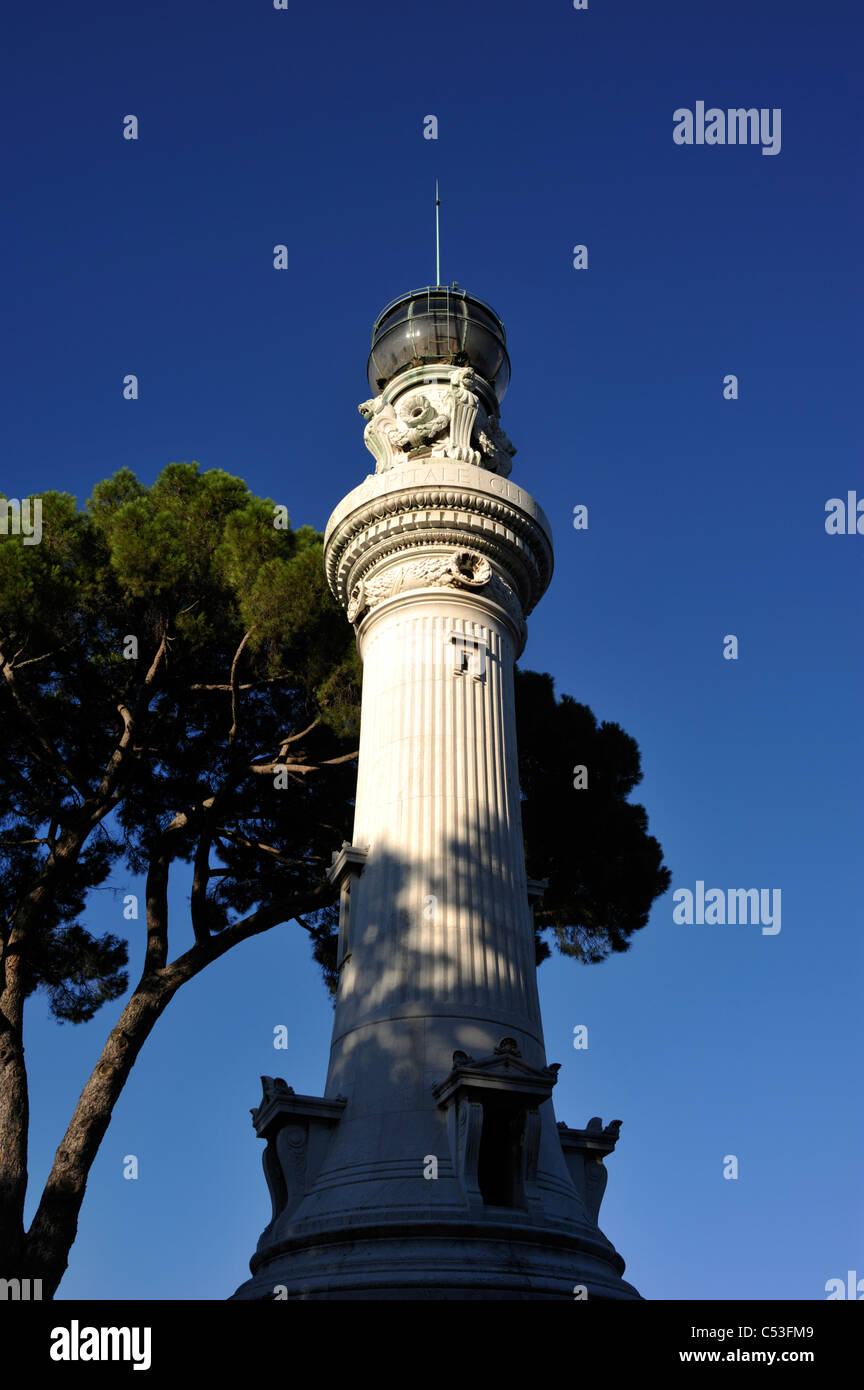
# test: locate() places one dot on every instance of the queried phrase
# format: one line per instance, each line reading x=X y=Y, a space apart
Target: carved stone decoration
x=274 y=1179
x=584 y=1151
x=449 y=423
x=397 y=579
x=383 y=436
x=357 y=602
x=296 y=1130
x=461 y=405
x=275 y=1086
x=503 y=595
x=496 y=448
x=470 y=570
x=596 y=1177
x=505 y=1092
x=460 y=569
x=291 y=1148
x=420 y=421
x=531 y=1156
x=469 y=1129
x=462 y=1059
x=611 y=1131
x=384 y=522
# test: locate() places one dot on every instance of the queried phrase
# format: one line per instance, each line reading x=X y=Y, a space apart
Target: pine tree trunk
x=52 y=1234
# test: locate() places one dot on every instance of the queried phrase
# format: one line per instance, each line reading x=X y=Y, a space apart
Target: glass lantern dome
x=440 y=323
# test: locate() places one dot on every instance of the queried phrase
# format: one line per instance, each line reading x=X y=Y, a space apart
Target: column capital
x=438 y=526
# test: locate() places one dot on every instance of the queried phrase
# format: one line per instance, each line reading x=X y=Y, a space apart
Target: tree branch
x=256 y=844
x=233 y=683
x=49 y=754
x=156 y=891
x=245 y=685
x=55 y=1224
x=292 y=738
x=56 y=1221
x=32 y=660
x=278 y=766
x=200 y=880
x=271 y=915
x=130 y=719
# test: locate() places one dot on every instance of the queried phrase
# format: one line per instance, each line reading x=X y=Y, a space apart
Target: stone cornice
x=439 y=504
x=350 y=859
x=280 y=1101
x=594 y=1139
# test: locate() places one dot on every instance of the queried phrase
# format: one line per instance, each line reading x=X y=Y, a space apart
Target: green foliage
x=78 y=971
x=194 y=562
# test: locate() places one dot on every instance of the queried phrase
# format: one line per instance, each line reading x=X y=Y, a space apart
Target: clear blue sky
x=706 y=518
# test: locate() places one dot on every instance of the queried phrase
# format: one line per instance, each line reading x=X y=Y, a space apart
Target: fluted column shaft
x=439 y=922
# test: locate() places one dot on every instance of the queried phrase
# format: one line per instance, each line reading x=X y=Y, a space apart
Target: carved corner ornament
x=295 y=1129
x=461 y=568
x=451 y=423
x=584 y=1151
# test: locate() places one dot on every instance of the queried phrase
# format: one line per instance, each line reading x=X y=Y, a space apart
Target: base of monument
x=454 y=1262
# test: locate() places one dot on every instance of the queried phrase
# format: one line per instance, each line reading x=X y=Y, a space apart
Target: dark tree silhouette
x=603 y=868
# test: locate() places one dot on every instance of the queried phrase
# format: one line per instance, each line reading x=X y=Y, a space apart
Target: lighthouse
x=433 y=1165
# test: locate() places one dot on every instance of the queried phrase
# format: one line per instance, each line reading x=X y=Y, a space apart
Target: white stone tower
x=433 y=1167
